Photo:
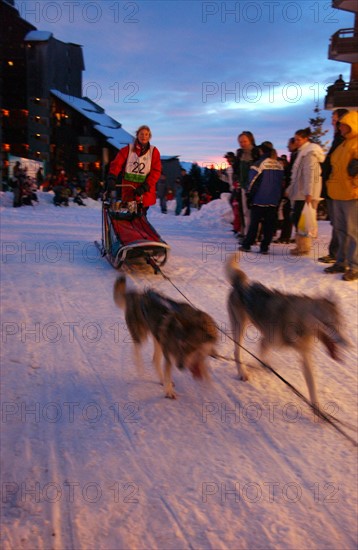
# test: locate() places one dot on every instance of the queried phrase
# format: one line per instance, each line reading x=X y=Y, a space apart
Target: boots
x=303 y=246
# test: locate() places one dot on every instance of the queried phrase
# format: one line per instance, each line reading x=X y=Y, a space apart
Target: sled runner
x=128 y=235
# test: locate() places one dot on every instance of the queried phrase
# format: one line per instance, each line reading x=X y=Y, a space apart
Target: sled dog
x=297 y=321
x=183 y=335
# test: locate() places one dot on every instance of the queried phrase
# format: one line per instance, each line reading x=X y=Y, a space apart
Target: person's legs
x=255 y=217
x=268 y=226
x=340 y=221
x=286 y=229
x=333 y=244
x=296 y=213
x=351 y=214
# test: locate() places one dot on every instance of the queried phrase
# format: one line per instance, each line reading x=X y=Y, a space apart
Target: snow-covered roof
x=38 y=36
x=103 y=123
x=116 y=137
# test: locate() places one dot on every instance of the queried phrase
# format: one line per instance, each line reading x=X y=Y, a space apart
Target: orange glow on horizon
x=218 y=163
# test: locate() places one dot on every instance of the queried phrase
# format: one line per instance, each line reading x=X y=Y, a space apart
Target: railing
x=343 y=96
x=344 y=41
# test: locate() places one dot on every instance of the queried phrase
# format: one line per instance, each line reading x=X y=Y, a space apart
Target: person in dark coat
x=266 y=178
x=162 y=190
x=246 y=155
x=187 y=184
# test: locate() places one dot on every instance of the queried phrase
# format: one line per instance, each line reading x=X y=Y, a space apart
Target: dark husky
x=297 y=321
x=185 y=336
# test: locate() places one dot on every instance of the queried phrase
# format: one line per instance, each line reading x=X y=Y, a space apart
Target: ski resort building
x=43 y=114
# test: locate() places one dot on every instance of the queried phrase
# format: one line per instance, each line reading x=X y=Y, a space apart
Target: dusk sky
x=198 y=73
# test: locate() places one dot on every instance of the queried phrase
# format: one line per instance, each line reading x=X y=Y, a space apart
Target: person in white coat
x=306 y=183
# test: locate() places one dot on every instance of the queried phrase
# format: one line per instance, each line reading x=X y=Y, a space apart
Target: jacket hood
x=314 y=148
x=351 y=119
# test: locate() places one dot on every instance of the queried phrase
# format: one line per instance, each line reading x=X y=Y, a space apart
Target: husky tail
x=329 y=326
x=119 y=292
x=233 y=271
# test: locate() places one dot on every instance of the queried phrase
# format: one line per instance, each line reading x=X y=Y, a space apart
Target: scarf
x=141 y=149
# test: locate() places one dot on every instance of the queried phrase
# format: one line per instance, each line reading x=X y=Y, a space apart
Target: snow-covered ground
x=93 y=455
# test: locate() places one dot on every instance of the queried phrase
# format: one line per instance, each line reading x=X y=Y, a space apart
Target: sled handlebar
x=139 y=197
x=126 y=185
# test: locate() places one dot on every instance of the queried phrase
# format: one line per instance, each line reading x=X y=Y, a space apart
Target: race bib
x=137 y=168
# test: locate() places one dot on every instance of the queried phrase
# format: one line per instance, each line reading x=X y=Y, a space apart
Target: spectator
x=342 y=187
x=39 y=178
x=187 y=184
x=306 y=183
x=266 y=177
x=93 y=187
x=62 y=193
x=29 y=189
x=195 y=199
x=330 y=258
x=162 y=189
x=285 y=205
x=178 y=197
x=246 y=155
x=339 y=84
x=205 y=197
x=48 y=183
x=228 y=174
x=17 y=184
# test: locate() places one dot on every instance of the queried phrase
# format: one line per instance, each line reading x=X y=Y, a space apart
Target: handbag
x=307 y=224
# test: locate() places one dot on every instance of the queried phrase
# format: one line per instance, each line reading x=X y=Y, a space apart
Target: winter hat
x=229 y=155
x=266 y=147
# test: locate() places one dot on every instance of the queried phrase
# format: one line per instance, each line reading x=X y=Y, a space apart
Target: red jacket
x=118 y=164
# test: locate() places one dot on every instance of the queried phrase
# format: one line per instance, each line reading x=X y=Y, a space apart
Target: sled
x=127 y=234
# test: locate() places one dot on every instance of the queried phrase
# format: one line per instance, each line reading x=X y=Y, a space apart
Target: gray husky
x=183 y=335
x=297 y=321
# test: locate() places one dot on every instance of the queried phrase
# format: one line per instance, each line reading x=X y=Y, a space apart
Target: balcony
x=343 y=97
x=347 y=5
x=344 y=46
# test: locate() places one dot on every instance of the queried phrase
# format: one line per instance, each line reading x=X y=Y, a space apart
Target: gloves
x=141 y=189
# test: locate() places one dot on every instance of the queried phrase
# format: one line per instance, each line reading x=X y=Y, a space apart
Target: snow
x=38 y=36
x=93 y=455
